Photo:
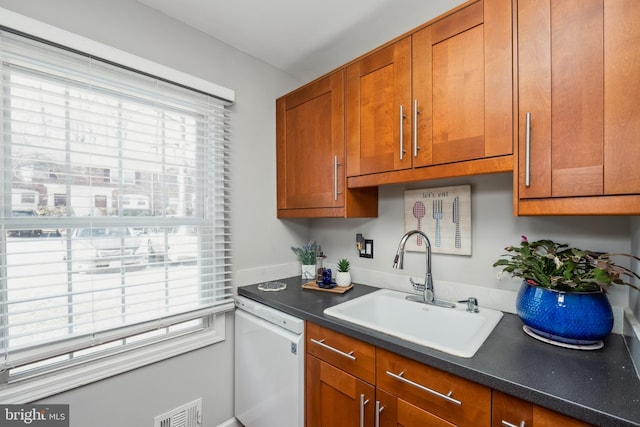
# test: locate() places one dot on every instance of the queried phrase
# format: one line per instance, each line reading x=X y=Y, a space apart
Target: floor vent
x=189 y=415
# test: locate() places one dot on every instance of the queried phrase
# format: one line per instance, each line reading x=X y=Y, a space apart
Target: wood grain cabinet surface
x=436 y=103
x=442 y=101
x=510 y=411
x=352 y=383
x=310 y=153
x=579 y=116
x=340 y=378
x=449 y=399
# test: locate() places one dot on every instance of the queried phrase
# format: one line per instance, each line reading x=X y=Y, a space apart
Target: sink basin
x=451 y=330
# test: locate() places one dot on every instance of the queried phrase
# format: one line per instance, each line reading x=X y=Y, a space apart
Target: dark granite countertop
x=599 y=386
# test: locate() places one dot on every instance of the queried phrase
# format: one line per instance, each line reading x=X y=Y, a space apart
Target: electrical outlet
x=366 y=251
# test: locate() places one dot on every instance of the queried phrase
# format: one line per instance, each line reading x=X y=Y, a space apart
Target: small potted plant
x=343 y=276
x=563 y=293
x=307 y=255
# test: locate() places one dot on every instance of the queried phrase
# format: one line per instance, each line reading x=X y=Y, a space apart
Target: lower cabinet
x=350 y=383
x=509 y=411
x=336 y=398
x=339 y=379
x=393 y=411
x=444 y=398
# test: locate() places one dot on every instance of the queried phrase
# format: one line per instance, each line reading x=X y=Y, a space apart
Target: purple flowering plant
x=557 y=266
x=307 y=253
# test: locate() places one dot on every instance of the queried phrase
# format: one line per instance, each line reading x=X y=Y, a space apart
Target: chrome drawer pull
x=415 y=128
x=335 y=178
x=378 y=410
x=362 y=403
x=508 y=424
x=402 y=117
x=446 y=397
x=328 y=347
x=527 y=151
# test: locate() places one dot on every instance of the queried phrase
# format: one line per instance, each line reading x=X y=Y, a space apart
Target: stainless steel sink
x=451 y=330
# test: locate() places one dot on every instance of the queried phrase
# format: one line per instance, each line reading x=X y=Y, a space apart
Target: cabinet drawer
x=509 y=410
x=452 y=398
x=349 y=354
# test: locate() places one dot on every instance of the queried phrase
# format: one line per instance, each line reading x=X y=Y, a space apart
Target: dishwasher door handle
x=335 y=350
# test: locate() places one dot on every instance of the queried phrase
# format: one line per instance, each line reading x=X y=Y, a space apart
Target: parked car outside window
x=24 y=233
x=105 y=247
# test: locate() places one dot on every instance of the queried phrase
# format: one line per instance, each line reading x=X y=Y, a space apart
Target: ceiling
x=304 y=38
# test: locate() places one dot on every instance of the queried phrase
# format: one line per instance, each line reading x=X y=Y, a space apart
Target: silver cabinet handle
x=362 y=403
x=335 y=350
x=378 y=410
x=527 y=151
x=335 y=178
x=446 y=397
x=402 y=116
x=508 y=424
x=415 y=127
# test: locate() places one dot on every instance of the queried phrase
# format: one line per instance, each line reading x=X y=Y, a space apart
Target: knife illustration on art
x=456 y=221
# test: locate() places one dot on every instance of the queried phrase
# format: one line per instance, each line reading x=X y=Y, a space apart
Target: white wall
x=261 y=242
x=494 y=227
x=259 y=239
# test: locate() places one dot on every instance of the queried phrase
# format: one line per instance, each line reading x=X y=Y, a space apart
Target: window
x=125 y=177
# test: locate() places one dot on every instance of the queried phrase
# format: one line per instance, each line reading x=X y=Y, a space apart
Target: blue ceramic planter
x=580 y=318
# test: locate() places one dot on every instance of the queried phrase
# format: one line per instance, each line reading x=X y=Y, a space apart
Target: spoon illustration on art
x=419 y=212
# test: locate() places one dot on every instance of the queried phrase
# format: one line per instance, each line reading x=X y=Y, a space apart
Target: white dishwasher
x=269 y=366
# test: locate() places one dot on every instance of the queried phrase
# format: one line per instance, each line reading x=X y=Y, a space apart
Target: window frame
x=103 y=365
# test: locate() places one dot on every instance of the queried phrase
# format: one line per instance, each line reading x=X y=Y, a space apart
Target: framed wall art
x=444 y=215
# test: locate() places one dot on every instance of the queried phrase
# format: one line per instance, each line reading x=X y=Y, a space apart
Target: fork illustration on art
x=437 y=215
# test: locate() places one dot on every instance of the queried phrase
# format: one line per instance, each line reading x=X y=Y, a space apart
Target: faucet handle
x=472 y=304
x=417 y=286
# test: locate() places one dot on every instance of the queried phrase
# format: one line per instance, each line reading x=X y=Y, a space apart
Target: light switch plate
x=366 y=251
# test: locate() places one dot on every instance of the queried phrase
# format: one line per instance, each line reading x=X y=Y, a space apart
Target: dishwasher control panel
x=269 y=314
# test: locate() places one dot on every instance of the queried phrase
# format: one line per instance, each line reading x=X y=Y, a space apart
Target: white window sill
x=30 y=390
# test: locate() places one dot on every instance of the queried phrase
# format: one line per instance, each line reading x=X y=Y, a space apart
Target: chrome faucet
x=428 y=296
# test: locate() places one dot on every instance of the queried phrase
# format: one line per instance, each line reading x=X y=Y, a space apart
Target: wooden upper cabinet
x=437 y=103
x=378 y=111
x=579 y=116
x=471 y=84
x=310 y=154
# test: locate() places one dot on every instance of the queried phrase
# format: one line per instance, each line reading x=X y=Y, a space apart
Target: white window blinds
x=113 y=205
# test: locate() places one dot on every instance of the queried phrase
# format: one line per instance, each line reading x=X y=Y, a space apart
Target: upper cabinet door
x=561 y=83
x=311 y=155
x=579 y=117
x=458 y=86
x=437 y=103
x=462 y=85
x=310 y=128
x=378 y=111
